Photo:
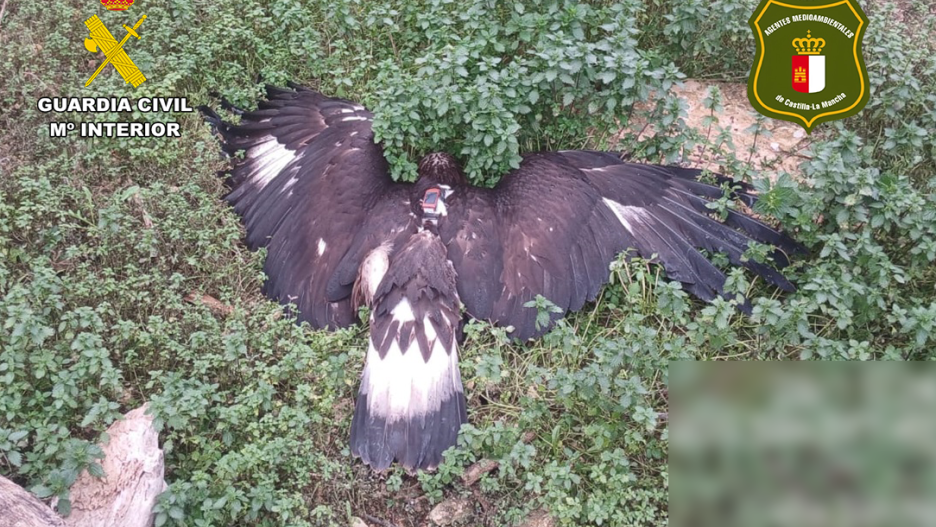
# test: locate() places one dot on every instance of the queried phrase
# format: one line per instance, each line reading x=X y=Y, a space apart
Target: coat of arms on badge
x=809 y=66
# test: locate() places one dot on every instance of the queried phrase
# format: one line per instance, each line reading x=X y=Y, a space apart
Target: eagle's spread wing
x=553 y=226
x=314 y=188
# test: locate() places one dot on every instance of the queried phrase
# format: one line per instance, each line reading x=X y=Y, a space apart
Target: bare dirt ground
x=780 y=150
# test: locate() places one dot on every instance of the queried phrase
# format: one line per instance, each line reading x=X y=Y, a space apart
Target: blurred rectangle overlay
x=778 y=444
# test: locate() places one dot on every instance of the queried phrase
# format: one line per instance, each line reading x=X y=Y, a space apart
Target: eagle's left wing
x=553 y=226
x=315 y=190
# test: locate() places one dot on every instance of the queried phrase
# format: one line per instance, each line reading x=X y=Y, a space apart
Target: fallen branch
x=378 y=521
x=475 y=471
x=22 y=509
x=2 y=10
x=216 y=306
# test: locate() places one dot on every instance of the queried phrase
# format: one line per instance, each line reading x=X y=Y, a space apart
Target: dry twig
x=378 y=521
x=216 y=306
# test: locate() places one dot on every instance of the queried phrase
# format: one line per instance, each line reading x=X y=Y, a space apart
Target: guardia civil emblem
x=103 y=39
x=809 y=66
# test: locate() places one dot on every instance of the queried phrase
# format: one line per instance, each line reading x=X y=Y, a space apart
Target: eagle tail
x=411 y=404
x=408 y=409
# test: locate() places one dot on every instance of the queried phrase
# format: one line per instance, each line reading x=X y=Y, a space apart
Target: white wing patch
x=321 y=247
x=628 y=216
x=269 y=159
x=372 y=272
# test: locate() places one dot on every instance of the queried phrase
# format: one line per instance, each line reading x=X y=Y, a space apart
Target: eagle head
x=441 y=167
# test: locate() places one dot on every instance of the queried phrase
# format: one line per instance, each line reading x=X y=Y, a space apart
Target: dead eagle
x=314 y=189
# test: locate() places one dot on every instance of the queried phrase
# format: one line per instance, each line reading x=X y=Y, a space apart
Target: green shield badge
x=809 y=66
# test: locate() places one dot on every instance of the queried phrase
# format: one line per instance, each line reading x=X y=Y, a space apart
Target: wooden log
x=133 y=468
x=19 y=508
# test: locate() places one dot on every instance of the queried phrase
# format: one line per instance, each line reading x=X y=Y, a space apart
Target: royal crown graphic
x=117 y=5
x=808 y=45
x=808 y=64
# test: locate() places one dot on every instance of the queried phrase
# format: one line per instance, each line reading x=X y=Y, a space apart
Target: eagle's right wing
x=553 y=226
x=315 y=190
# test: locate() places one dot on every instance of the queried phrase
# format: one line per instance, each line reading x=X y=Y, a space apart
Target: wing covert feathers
x=553 y=226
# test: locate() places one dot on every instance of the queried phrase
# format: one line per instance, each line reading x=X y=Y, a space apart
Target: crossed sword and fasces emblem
x=102 y=38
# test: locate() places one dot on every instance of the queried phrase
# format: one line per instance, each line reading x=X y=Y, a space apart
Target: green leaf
x=41 y=491
x=96 y=470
